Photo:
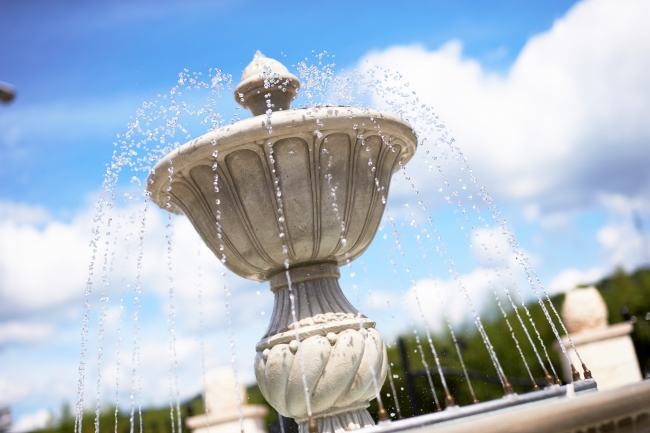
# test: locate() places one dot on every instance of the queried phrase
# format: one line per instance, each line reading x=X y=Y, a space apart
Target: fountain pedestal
x=607 y=349
x=341 y=354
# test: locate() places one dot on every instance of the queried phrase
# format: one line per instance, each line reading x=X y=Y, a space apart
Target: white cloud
x=43 y=269
x=23 y=213
x=32 y=421
x=44 y=263
x=24 y=332
x=12 y=391
x=570 y=278
x=433 y=298
x=622 y=242
x=621 y=239
x=566 y=123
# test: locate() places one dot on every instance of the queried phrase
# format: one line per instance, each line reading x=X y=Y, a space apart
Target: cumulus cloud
x=11 y=391
x=33 y=421
x=566 y=123
x=41 y=267
x=44 y=262
x=623 y=237
x=571 y=278
x=43 y=271
x=429 y=300
x=24 y=332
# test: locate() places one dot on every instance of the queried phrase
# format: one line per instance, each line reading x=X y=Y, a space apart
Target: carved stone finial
x=266 y=84
x=584 y=310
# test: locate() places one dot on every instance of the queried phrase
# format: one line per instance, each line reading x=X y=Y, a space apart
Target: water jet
x=290 y=195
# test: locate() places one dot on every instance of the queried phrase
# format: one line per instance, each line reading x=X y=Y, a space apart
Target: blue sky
x=76 y=56
x=548 y=100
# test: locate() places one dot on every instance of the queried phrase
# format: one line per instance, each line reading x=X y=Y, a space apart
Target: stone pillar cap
x=584 y=310
x=263 y=76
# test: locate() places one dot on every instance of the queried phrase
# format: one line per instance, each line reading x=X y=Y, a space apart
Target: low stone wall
x=625 y=409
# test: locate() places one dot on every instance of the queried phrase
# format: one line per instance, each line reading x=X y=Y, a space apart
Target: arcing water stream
x=162 y=124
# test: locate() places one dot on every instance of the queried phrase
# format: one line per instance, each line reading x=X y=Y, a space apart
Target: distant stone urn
x=288 y=196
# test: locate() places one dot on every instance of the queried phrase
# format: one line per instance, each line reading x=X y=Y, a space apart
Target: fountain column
x=343 y=356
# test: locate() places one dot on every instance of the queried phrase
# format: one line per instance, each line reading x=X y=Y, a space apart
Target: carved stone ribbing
x=315 y=301
x=338 y=371
x=333 y=167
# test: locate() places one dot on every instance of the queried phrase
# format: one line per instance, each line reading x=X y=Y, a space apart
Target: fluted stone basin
x=333 y=166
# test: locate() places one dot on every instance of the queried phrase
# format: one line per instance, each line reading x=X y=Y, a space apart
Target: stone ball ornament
x=288 y=196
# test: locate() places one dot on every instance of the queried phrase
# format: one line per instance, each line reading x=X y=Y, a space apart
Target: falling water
x=171 y=320
x=281 y=421
x=525 y=328
x=118 y=353
x=233 y=359
x=426 y=369
x=505 y=288
x=223 y=259
x=84 y=332
x=512 y=334
x=118 y=345
x=135 y=356
x=102 y=320
x=199 y=288
x=519 y=255
x=477 y=320
x=505 y=316
x=539 y=337
x=448 y=398
x=104 y=202
x=561 y=322
x=406 y=105
x=150 y=135
x=100 y=353
x=124 y=156
x=447 y=320
x=393 y=391
x=285 y=251
x=296 y=326
x=373 y=372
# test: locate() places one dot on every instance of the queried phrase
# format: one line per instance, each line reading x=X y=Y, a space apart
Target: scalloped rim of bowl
x=256 y=129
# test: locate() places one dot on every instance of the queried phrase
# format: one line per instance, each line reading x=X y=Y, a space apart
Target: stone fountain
x=288 y=196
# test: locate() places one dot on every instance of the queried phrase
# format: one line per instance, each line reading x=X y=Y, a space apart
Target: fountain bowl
x=314 y=180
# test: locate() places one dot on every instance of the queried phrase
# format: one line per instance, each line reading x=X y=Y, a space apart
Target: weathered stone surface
x=335 y=155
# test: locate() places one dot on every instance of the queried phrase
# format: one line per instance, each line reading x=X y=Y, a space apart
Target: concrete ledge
x=624 y=410
x=612 y=331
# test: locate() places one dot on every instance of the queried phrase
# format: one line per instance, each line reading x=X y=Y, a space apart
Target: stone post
x=222 y=415
x=607 y=349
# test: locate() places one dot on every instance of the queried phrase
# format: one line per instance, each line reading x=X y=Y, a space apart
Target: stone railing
x=625 y=409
